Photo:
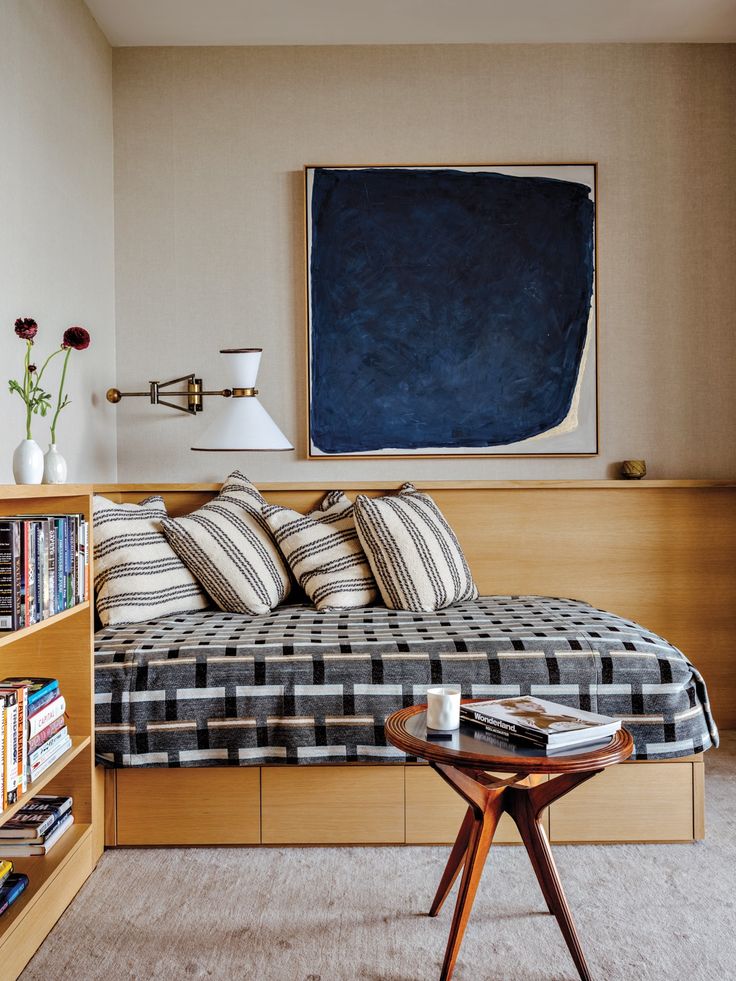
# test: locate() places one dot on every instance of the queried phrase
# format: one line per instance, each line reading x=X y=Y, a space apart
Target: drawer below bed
x=397 y=804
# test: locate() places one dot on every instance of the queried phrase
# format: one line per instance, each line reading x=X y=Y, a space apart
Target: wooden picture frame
x=358 y=396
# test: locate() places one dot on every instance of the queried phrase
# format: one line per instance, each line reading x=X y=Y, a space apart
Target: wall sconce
x=241 y=422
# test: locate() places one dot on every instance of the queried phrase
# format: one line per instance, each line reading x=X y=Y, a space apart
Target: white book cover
x=49 y=747
x=45 y=716
x=45 y=764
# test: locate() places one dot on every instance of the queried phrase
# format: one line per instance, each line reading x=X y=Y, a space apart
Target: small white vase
x=54 y=466
x=28 y=462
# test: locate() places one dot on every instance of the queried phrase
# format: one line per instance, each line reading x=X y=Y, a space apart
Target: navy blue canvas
x=448 y=308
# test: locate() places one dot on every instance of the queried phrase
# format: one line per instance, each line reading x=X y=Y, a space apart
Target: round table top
x=477 y=750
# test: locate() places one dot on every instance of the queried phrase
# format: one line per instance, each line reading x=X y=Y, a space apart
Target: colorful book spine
x=10 y=574
x=9 y=699
x=44 y=734
x=46 y=715
x=48 y=749
x=11 y=888
x=6 y=867
x=39 y=768
x=22 y=691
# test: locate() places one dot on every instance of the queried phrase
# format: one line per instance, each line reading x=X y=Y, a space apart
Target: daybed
x=213 y=721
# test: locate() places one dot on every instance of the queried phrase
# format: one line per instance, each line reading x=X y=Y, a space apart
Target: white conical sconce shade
x=241 y=422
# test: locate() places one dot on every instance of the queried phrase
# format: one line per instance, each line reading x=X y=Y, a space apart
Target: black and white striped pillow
x=324 y=553
x=413 y=552
x=138 y=576
x=228 y=546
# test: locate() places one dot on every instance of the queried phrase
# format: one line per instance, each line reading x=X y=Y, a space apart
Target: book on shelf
x=62 y=742
x=40 y=690
x=33 y=733
x=11 y=745
x=46 y=716
x=6 y=867
x=538 y=722
x=34 y=820
x=10 y=684
x=44 y=567
x=42 y=845
x=40 y=738
x=49 y=748
x=11 y=888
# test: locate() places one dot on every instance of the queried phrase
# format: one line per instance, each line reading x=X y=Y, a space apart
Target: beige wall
x=209 y=149
x=56 y=218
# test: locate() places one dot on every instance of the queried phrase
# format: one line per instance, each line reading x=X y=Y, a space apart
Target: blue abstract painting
x=452 y=310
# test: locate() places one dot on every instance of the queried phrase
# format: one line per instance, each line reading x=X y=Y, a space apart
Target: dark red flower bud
x=26 y=328
x=31 y=368
x=76 y=337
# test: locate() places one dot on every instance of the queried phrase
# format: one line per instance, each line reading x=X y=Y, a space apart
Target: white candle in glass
x=443 y=707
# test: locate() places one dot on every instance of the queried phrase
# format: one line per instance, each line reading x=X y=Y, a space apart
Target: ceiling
x=234 y=22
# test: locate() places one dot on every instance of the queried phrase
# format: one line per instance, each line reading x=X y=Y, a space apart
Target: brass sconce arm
x=193 y=393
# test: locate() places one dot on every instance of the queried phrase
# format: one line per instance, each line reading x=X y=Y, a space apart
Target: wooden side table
x=463 y=762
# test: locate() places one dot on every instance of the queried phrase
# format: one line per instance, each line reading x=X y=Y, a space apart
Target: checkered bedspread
x=299 y=686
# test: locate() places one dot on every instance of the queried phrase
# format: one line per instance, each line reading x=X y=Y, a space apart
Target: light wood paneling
x=54 y=881
x=199 y=806
x=699 y=800
x=660 y=552
x=59 y=647
x=434 y=811
x=333 y=804
x=657 y=801
x=630 y=802
x=111 y=806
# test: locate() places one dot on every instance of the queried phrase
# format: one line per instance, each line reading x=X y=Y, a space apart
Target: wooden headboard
x=662 y=552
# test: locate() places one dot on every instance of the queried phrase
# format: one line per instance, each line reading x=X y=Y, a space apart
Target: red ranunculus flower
x=76 y=337
x=26 y=328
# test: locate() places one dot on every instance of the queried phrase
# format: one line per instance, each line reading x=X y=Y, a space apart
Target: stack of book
x=44 y=567
x=33 y=733
x=12 y=885
x=537 y=723
x=36 y=827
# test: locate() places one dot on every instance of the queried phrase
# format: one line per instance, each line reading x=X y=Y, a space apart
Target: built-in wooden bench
x=659 y=552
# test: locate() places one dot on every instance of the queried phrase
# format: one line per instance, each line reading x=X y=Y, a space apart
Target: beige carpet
x=324 y=914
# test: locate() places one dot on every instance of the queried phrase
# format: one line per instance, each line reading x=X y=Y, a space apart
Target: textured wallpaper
x=209 y=149
x=56 y=220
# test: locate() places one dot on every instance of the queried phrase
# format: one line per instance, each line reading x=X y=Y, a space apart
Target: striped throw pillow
x=413 y=552
x=324 y=553
x=228 y=546
x=138 y=576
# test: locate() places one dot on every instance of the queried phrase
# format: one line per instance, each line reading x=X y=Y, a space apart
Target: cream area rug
x=644 y=912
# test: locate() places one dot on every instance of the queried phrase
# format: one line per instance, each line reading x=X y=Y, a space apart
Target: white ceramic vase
x=28 y=462
x=54 y=466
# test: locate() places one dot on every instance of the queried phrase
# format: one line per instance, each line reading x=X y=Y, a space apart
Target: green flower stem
x=27 y=390
x=60 y=401
x=39 y=374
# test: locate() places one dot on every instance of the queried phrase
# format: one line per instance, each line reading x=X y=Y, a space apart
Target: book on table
x=537 y=722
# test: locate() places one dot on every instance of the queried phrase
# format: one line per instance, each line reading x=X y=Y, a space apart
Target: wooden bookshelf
x=59 y=647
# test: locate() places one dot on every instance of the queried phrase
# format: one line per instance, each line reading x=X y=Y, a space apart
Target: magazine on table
x=538 y=722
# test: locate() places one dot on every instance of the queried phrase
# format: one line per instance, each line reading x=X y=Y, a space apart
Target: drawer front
x=434 y=811
x=198 y=806
x=628 y=802
x=333 y=805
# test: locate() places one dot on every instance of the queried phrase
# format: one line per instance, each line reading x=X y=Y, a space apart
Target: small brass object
x=634 y=469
